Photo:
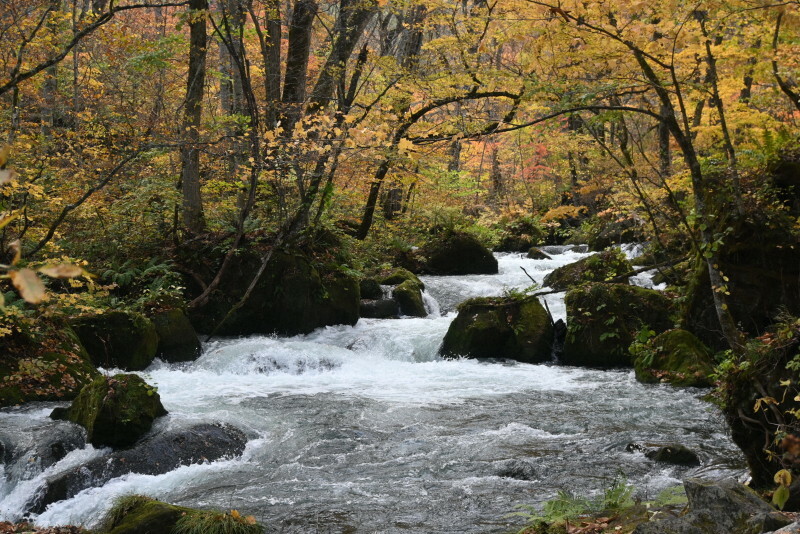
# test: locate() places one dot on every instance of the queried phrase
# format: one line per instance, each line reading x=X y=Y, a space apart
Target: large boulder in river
x=204 y=442
x=400 y=275
x=676 y=357
x=602 y=320
x=719 y=507
x=456 y=253
x=115 y=410
x=45 y=363
x=123 y=339
x=177 y=339
x=408 y=296
x=500 y=327
x=292 y=296
x=602 y=267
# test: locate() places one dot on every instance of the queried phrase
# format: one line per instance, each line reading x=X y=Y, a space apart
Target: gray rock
x=379 y=309
x=153 y=456
x=517 y=469
x=794 y=528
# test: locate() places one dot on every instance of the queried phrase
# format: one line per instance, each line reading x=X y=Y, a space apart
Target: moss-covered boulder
x=42 y=363
x=500 y=327
x=408 y=296
x=676 y=357
x=115 y=410
x=292 y=296
x=455 y=253
x=123 y=339
x=519 y=235
x=379 y=309
x=602 y=320
x=137 y=514
x=370 y=289
x=177 y=340
x=398 y=276
x=537 y=254
x=601 y=267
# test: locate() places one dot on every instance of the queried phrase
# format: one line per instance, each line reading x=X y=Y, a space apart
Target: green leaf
x=780 y=497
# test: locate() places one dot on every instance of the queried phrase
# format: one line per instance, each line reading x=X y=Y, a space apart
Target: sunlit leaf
x=7 y=218
x=61 y=270
x=5 y=153
x=780 y=497
x=783 y=477
x=29 y=285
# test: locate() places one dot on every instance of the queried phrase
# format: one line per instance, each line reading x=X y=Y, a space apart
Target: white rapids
x=366 y=429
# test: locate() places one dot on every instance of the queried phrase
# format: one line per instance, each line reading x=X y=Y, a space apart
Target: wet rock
x=177 y=340
x=141 y=515
x=398 y=276
x=456 y=253
x=500 y=327
x=600 y=267
x=602 y=320
x=27 y=451
x=293 y=296
x=155 y=455
x=122 y=339
x=370 y=289
x=115 y=411
x=673 y=453
x=379 y=309
x=517 y=469
x=537 y=254
x=408 y=296
x=48 y=364
x=675 y=357
x=720 y=507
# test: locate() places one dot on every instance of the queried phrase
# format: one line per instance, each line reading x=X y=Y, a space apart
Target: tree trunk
x=294 y=84
x=193 y=217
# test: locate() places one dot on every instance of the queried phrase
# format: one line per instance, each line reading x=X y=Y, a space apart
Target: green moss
x=46 y=365
x=676 y=357
x=602 y=320
x=398 y=276
x=455 y=253
x=409 y=296
x=370 y=288
x=116 y=411
x=600 y=267
x=500 y=327
x=177 y=340
x=122 y=339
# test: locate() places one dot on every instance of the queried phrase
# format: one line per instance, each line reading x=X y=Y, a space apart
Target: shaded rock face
x=379 y=309
x=719 y=507
x=122 y=339
x=115 y=411
x=599 y=267
x=676 y=357
x=602 y=320
x=291 y=297
x=500 y=327
x=177 y=340
x=370 y=289
x=52 y=368
x=457 y=253
x=153 y=456
x=763 y=267
x=537 y=254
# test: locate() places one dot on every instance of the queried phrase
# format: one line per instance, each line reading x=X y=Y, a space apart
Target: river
x=365 y=429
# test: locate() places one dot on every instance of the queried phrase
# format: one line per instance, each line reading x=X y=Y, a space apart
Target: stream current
x=365 y=429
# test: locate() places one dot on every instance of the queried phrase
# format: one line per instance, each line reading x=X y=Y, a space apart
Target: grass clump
x=208 y=522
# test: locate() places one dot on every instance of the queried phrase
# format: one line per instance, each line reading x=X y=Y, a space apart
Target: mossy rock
x=398 y=276
x=379 y=309
x=409 y=297
x=49 y=364
x=500 y=327
x=601 y=267
x=602 y=320
x=142 y=515
x=116 y=411
x=675 y=275
x=676 y=357
x=536 y=254
x=293 y=296
x=456 y=253
x=177 y=340
x=122 y=339
x=370 y=289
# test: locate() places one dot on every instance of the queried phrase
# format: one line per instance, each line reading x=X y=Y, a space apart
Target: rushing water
x=365 y=429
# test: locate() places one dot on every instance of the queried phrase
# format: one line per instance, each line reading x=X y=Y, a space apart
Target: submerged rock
x=115 y=411
x=673 y=453
x=25 y=452
x=517 y=469
x=177 y=339
x=719 y=507
x=601 y=267
x=458 y=253
x=602 y=320
x=156 y=455
x=122 y=339
x=676 y=357
x=500 y=327
x=47 y=364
